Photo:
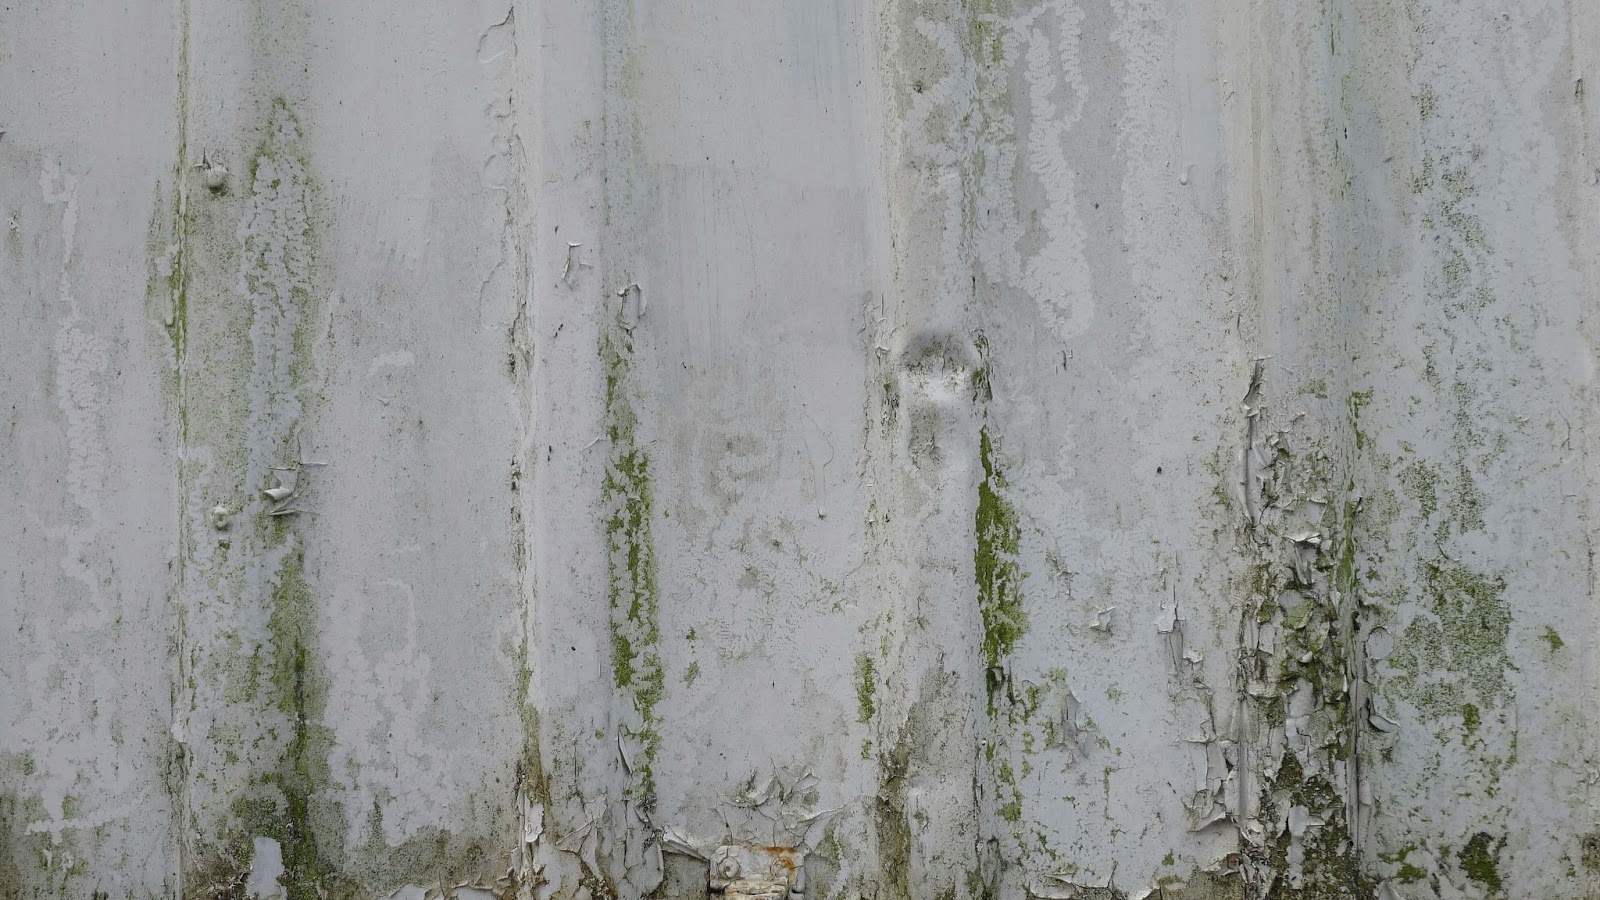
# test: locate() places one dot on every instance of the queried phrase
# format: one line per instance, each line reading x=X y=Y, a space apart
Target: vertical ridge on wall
x=249 y=717
x=985 y=448
x=1578 y=220
x=88 y=525
x=1301 y=669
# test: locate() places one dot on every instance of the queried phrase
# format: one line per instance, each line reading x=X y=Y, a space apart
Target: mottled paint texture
x=998 y=448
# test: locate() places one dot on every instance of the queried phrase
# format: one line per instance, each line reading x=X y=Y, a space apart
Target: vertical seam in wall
x=178 y=762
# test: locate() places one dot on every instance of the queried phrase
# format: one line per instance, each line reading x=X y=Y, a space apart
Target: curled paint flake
x=286 y=485
x=749 y=796
x=675 y=841
x=288 y=478
x=1102 y=620
x=532 y=822
x=634 y=305
x=1299 y=819
x=1380 y=643
x=1180 y=664
x=572 y=262
x=779 y=809
x=622 y=756
x=1382 y=724
x=1066 y=886
x=1072 y=733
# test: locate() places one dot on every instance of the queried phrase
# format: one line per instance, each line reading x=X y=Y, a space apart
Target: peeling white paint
x=266 y=870
x=993 y=449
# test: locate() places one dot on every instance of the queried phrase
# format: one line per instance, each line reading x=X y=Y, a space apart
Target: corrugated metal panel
x=984 y=449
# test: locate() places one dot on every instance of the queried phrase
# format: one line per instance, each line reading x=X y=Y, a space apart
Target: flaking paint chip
x=1102 y=619
x=286 y=485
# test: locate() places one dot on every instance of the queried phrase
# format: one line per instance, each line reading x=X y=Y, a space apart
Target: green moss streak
x=866 y=686
x=1589 y=851
x=1356 y=402
x=531 y=780
x=1006 y=787
x=999 y=574
x=23 y=856
x=891 y=824
x=281 y=255
x=1408 y=873
x=1421 y=482
x=1480 y=858
x=631 y=564
x=303 y=769
x=1330 y=864
x=1465 y=637
x=985 y=33
x=165 y=296
x=288 y=800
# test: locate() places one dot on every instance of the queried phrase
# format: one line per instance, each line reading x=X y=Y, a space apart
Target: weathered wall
x=1005 y=449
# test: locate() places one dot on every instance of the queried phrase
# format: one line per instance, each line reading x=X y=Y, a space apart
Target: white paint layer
x=999 y=448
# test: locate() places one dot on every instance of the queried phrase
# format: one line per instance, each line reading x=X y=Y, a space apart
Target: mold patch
x=632 y=594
